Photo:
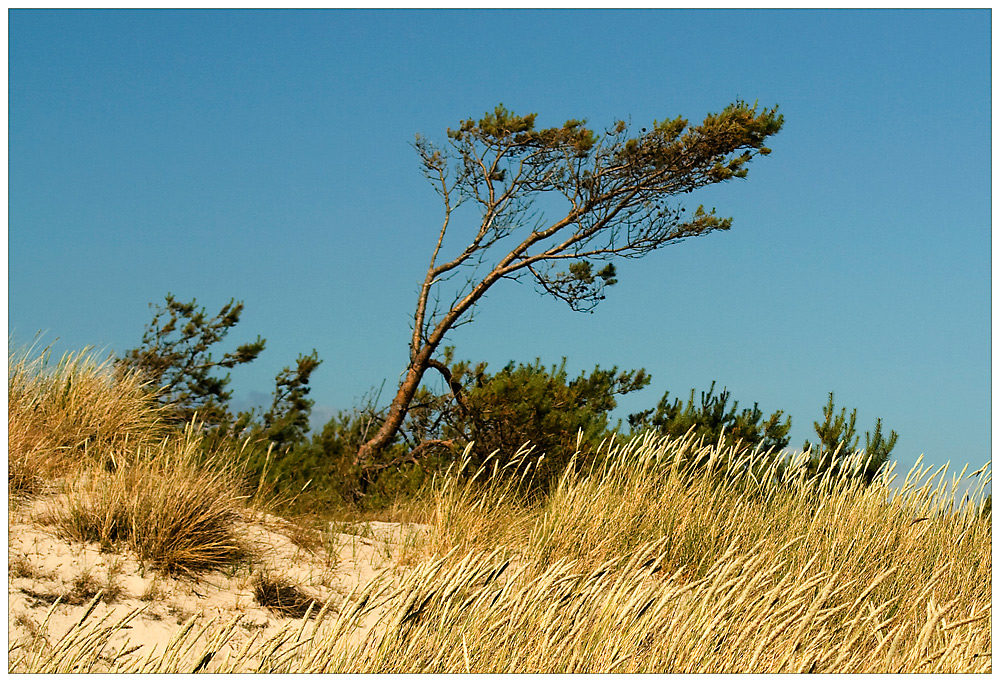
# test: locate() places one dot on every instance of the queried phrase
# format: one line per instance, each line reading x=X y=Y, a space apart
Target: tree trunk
x=397 y=410
x=419 y=363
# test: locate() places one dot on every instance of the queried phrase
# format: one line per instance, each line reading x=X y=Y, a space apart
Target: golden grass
x=172 y=513
x=92 y=436
x=646 y=490
x=80 y=408
x=663 y=556
x=715 y=581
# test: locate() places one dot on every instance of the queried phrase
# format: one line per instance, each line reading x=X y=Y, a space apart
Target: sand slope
x=42 y=567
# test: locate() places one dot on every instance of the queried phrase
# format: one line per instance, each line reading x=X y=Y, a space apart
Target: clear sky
x=267 y=156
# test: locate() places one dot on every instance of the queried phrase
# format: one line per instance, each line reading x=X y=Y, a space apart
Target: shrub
x=527 y=403
x=837 y=442
x=495 y=414
x=713 y=418
x=175 y=358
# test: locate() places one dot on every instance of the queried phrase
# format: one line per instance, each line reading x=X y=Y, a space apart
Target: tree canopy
x=613 y=191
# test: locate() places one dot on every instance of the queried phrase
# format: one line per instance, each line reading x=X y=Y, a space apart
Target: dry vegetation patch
x=81 y=408
x=660 y=556
x=279 y=594
x=173 y=513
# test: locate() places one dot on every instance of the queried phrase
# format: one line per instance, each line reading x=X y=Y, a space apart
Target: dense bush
x=713 y=418
x=527 y=403
x=319 y=475
x=492 y=413
x=561 y=417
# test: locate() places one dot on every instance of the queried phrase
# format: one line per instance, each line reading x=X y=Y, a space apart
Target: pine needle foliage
x=176 y=357
x=496 y=412
x=713 y=418
x=838 y=439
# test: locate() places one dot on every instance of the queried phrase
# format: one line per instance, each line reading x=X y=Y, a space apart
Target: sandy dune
x=43 y=567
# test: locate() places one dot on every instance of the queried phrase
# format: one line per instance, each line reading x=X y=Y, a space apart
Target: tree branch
x=413 y=456
x=456 y=388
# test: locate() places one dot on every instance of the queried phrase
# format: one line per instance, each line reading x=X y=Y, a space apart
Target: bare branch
x=413 y=456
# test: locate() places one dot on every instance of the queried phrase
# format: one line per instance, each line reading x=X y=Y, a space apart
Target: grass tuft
x=281 y=596
x=93 y=432
x=170 y=511
x=79 y=409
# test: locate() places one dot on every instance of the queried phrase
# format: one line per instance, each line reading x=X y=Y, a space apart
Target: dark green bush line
x=562 y=417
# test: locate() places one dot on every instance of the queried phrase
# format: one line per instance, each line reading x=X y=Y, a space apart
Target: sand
x=43 y=566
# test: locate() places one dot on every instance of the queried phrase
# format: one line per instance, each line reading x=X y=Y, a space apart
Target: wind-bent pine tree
x=613 y=189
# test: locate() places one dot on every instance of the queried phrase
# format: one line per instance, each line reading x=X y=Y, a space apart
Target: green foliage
x=495 y=412
x=503 y=127
x=878 y=449
x=287 y=421
x=581 y=287
x=338 y=442
x=320 y=474
x=836 y=432
x=175 y=357
x=313 y=474
x=713 y=418
x=838 y=441
x=712 y=145
x=525 y=403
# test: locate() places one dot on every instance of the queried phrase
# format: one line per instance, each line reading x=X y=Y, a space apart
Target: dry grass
x=172 y=512
x=92 y=434
x=79 y=409
x=664 y=556
x=22 y=567
x=731 y=574
x=276 y=592
x=645 y=490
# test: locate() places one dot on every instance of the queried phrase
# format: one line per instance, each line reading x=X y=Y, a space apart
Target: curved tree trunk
x=397 y=410
x=419 y=362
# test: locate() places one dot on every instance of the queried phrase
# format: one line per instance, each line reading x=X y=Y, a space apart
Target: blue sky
x=267 y=156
